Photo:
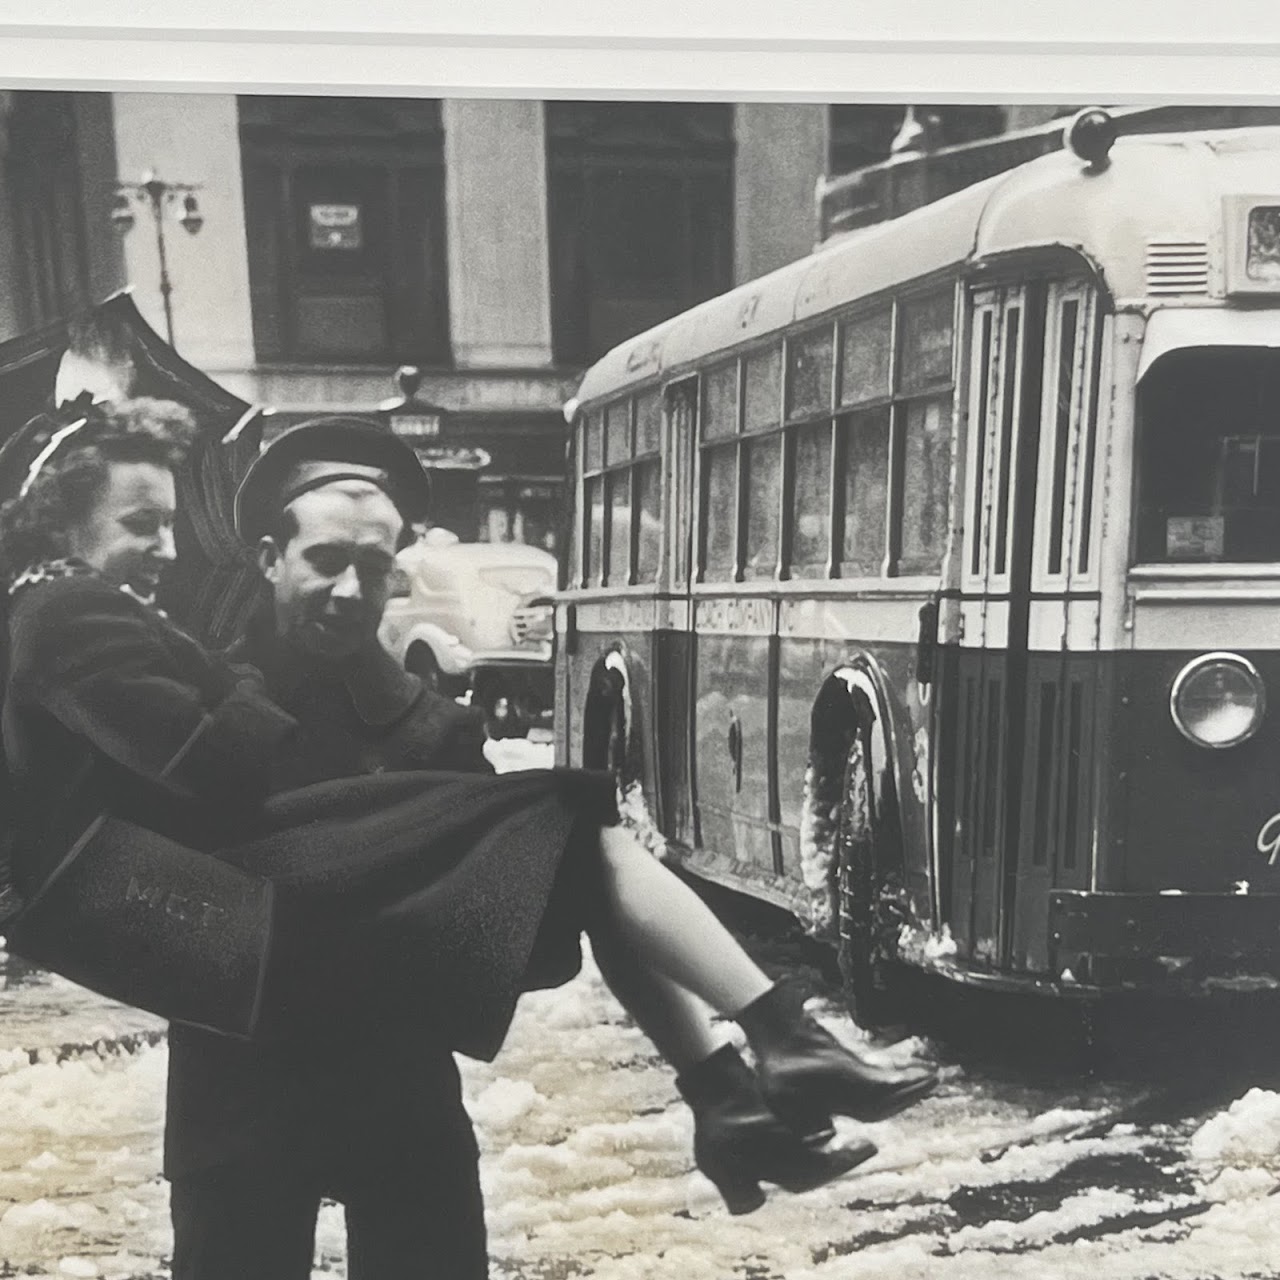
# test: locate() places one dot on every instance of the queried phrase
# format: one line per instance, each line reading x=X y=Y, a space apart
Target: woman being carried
x=431 y=895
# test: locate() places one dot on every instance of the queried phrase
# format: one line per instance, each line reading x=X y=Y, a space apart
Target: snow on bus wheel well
x=612 y=739
x=851 y=701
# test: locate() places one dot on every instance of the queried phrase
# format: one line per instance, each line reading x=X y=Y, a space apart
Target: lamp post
x=155 y=194
x=454 y=466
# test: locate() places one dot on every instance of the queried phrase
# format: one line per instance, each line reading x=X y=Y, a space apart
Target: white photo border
x=795 y=50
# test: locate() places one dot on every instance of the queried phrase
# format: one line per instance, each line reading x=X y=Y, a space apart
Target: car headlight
x=1218 y=700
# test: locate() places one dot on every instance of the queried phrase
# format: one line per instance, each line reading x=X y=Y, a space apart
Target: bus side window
x=811 y=528
x=761 y=488
x=923 y=377
x=593 y=506
x=647 y=487
x=578 y=504
x=862 y=444
x=718 y=465
x=617 y=503
x=926 y=468
x=864 y=469
x=807 y=471
x=761 y=463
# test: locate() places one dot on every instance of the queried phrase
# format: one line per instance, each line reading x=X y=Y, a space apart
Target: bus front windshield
x=1208 y=457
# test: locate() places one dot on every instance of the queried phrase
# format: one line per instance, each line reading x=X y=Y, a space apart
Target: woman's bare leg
x=678 y=1023
x=660 y=921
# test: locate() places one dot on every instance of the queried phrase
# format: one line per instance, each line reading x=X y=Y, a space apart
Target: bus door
x=673 y=651
x=1062 y=674
x=1020 y=720
x=1006 y=344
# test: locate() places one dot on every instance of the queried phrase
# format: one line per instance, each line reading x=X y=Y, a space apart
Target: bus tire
x=604 y=728
x=869 y=895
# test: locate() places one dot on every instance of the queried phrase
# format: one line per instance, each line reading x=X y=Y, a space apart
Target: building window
x=42 y=164
x=517 y=510
x=640 y=214
x=344 y=206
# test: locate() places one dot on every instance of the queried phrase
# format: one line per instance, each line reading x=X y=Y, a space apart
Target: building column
x=192 y=138
x=781 y=154
x=496 y=197
x=96 y=160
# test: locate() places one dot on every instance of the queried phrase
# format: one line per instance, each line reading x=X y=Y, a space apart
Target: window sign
x=1262 y=260
x=1195 y=537
x=336 y=226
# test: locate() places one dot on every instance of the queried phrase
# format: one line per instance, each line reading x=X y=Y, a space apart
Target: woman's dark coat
x=412 y=895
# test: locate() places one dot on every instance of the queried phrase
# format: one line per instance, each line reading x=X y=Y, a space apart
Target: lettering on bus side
x=616 y=615
x=749 y=616
x=1268 y=841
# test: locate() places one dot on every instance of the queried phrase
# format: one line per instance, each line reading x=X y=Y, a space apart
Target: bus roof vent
x=1177 y=264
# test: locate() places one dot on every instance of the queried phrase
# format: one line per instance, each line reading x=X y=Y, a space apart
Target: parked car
x=478 y=616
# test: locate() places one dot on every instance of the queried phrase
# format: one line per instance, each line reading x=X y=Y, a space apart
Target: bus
x=929 y=587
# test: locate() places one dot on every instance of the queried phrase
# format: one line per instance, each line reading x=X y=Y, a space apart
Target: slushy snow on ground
x=587 y=1164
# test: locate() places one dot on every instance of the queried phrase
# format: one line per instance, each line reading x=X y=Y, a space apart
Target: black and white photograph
x=649 y=683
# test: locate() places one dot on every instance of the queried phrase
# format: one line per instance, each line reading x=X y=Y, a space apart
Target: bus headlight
x=1218 y=700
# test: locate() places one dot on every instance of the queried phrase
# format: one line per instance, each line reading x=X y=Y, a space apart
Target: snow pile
x=920 y=946
x=78 y=1267
x=509 y=755
x=1246 y=1133
x=503 y=1102
x=80 y=1173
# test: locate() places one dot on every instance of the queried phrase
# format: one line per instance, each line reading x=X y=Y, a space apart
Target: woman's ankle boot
x=807 y=1075
x=739 y=1142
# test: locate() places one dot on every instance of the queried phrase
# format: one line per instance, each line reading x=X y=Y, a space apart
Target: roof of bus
x=1156 y=186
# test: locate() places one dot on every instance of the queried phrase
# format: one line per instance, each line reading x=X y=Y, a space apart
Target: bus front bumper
x=1188 y=941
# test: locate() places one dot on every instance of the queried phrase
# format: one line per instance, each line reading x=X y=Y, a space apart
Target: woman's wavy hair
x=46 y=497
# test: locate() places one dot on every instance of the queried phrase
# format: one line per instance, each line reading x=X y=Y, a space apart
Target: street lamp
x=155 y=194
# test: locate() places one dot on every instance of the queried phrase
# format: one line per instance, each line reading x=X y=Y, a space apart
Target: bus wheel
x=604 y=727
x=870 y=898
x=616 y=750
